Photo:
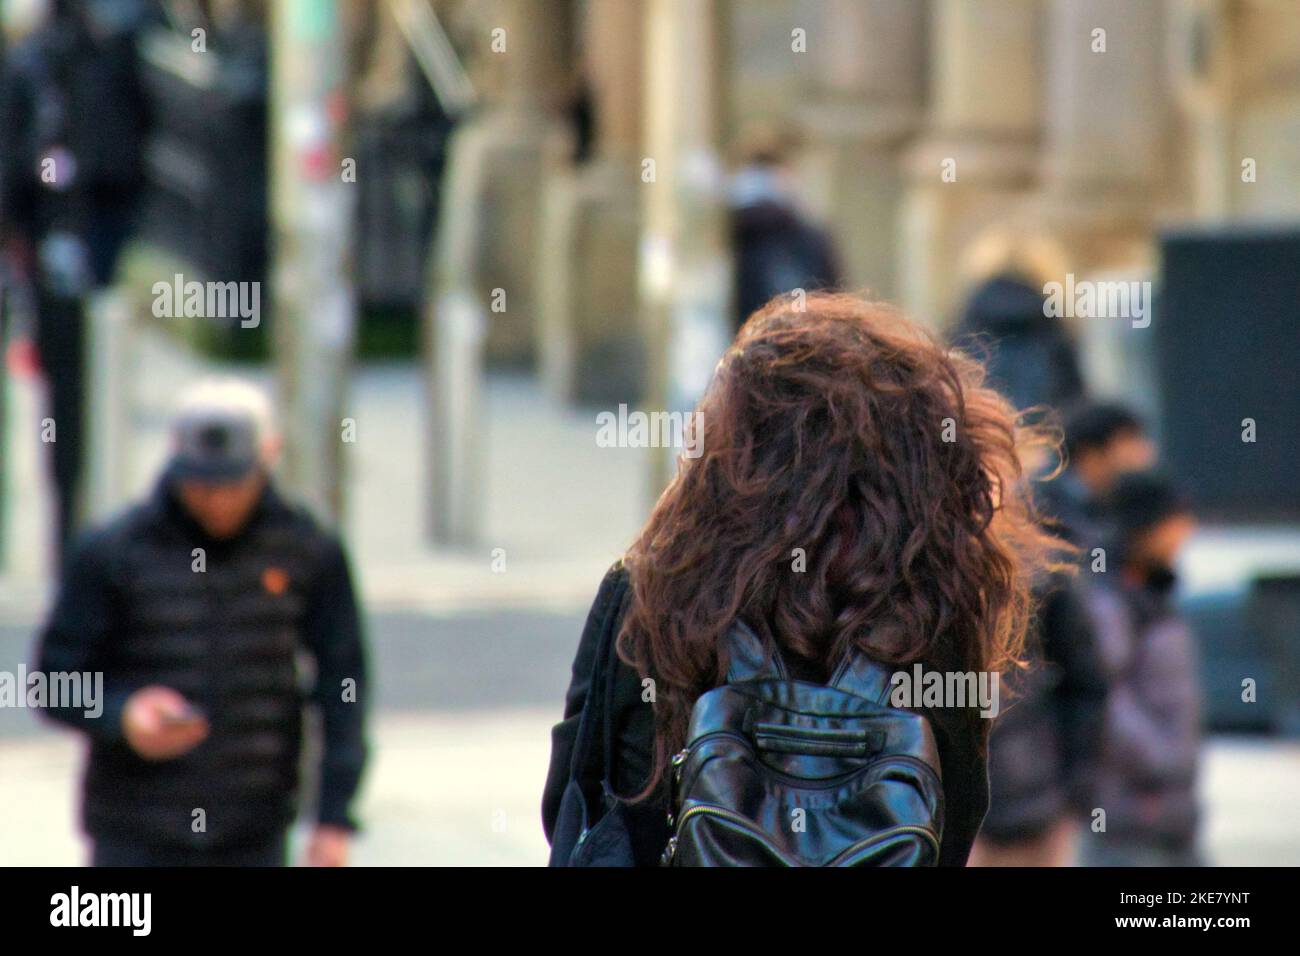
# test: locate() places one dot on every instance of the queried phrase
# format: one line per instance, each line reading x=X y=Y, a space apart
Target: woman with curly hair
x=858 y=486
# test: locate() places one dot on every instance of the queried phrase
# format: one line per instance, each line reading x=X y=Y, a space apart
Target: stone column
x=1107 y=166
x=868 y=88
x=685 y=269
x=978 y=156
x=492 y=193
x=589 y=343
x=483 y=300
x=1106 y=133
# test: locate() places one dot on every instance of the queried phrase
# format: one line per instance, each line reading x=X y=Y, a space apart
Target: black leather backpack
x=781 y=772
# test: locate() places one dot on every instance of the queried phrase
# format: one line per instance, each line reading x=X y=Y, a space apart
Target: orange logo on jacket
x=275 y=580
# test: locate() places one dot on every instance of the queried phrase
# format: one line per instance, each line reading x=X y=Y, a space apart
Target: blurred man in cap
x=214 y=610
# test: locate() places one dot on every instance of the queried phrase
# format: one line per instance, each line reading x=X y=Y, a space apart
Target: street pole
x=312 y=196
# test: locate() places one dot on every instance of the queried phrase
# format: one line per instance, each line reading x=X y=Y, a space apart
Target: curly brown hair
x=844 y=430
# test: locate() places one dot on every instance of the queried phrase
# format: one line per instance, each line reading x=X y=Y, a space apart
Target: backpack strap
x=860 y=675
x=749 y=659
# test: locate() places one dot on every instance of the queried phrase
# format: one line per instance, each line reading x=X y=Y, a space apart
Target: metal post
x=311 y=208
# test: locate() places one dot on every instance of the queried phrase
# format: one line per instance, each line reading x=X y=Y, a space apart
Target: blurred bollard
x=456 y=418
x=110 y=373
x=590 y=344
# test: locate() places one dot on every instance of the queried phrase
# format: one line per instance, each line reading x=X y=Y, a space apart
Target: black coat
x=229 y=638
x=71 y=89
x=777 y=251
x=958 y=732
x=1031 y=359
x=1046 y=744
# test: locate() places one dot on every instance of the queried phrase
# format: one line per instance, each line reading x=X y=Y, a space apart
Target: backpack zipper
x=844 y=857
x=735 y=820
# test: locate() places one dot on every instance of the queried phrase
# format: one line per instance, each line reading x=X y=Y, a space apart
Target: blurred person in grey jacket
x=1147 y=780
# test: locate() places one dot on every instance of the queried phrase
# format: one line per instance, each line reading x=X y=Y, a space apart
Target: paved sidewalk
x=465 y=789
x=461 y=789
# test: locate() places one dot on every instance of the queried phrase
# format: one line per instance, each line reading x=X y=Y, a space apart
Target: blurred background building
x=536 y=227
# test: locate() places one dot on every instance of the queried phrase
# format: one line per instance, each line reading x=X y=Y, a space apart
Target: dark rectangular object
x=1227 y=348
x=206 y=155
x=1274 y=615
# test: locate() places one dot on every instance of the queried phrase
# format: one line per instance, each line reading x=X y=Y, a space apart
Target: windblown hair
x=843 y=433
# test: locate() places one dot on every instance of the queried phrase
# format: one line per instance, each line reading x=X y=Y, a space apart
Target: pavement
x=463 y=789
x=470 y=663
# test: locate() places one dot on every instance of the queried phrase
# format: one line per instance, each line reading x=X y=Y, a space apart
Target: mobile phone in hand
x=189 y=715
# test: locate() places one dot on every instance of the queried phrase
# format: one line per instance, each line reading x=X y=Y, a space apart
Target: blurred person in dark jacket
x=1147 y=780
x=1044 y=747
x=1103 y=440
x=1030 y=356
x=73 y=119
x=214 y=610
x=778 y=248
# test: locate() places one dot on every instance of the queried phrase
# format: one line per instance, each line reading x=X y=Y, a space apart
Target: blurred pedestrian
x=812 y=539
x=1030 y=355
x=1147 y=781
x=1044 y=746
x=1103 y=440
x=71 y=169
x=778 y=248
x=199 y=606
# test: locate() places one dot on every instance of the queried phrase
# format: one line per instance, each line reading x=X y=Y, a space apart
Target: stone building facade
x=937 y=136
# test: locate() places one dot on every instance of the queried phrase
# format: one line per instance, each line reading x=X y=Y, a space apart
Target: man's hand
x=160 y=724
x=328 y=846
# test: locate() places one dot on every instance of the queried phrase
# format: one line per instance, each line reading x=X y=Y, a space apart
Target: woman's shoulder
x=604 y=616
x=616 y=577
x=611 y=596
